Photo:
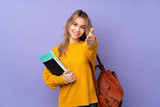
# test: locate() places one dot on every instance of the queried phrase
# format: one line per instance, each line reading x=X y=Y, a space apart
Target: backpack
x=108 y=89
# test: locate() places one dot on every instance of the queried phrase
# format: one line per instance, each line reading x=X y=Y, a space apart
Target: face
x=77 y=29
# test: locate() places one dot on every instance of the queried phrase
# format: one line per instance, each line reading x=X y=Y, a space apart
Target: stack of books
x=52 y=63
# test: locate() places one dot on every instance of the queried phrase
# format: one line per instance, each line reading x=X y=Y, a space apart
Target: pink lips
x=75 y=34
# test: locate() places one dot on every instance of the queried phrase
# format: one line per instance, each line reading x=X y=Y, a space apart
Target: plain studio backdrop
x=128 y=32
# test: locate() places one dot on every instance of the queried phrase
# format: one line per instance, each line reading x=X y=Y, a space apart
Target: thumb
x=91 y=31
x=66 y=72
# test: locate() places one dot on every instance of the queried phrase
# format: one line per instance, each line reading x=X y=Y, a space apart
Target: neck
x=74 y=41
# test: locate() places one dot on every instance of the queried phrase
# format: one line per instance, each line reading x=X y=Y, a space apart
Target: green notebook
x=52 y=63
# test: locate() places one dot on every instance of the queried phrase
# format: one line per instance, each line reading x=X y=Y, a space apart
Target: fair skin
x=77 y=30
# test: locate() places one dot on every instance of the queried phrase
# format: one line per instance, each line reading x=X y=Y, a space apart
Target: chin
x=75 y=37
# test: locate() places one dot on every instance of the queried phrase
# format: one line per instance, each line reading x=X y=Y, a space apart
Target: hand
x=90 y=38
x=70 y=78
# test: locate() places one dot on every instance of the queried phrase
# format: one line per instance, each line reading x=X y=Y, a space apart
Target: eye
x=75 y=24
x=83 y=27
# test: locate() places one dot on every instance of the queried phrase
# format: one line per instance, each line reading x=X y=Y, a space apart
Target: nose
x=77 y=28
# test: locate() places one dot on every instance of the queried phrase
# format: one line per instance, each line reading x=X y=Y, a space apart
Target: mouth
x=75 y=33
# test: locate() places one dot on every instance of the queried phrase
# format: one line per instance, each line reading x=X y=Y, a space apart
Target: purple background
x=129 y=43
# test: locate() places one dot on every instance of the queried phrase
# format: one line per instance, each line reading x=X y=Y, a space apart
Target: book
x=52 y=63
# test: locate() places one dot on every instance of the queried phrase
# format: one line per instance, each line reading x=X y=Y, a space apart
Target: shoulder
x=55 y=50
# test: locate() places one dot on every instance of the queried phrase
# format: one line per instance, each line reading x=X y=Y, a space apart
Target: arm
x=91 y=46
x=91 y=50
x=52 y=81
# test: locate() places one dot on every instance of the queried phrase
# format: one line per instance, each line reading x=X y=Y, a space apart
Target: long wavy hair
x=64 y=44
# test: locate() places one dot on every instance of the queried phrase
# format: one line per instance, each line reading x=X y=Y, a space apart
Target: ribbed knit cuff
x=63 y=82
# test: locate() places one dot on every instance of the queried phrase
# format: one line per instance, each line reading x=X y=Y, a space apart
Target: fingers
x=69 y=76
x=72 y=77
x=73 y=80
x=90 y=40
x=89 y=37
x=72 y=74
x=66 y=72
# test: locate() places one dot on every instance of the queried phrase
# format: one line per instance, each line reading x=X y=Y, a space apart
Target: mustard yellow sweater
x=82 y=91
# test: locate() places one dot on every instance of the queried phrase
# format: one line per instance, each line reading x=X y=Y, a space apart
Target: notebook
x=52 y=63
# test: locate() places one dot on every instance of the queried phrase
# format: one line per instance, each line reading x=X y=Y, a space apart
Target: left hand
x=90 y=38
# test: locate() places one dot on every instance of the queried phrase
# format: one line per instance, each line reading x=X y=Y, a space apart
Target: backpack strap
x=100 y=65
x=94 y=80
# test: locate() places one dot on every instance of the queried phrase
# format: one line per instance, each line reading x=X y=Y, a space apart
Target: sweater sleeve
x=91 y=51
x=53 y=81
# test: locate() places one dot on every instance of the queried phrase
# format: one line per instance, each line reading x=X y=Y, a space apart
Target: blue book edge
x=49 y=55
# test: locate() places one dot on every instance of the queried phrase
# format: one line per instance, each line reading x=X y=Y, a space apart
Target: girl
x=78 y=53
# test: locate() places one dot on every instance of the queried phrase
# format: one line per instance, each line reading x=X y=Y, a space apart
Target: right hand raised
x=70 y=78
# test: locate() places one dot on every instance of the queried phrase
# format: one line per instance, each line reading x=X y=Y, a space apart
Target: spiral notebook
x=52 y=63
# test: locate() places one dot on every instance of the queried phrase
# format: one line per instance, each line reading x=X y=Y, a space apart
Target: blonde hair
x=64 y=45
